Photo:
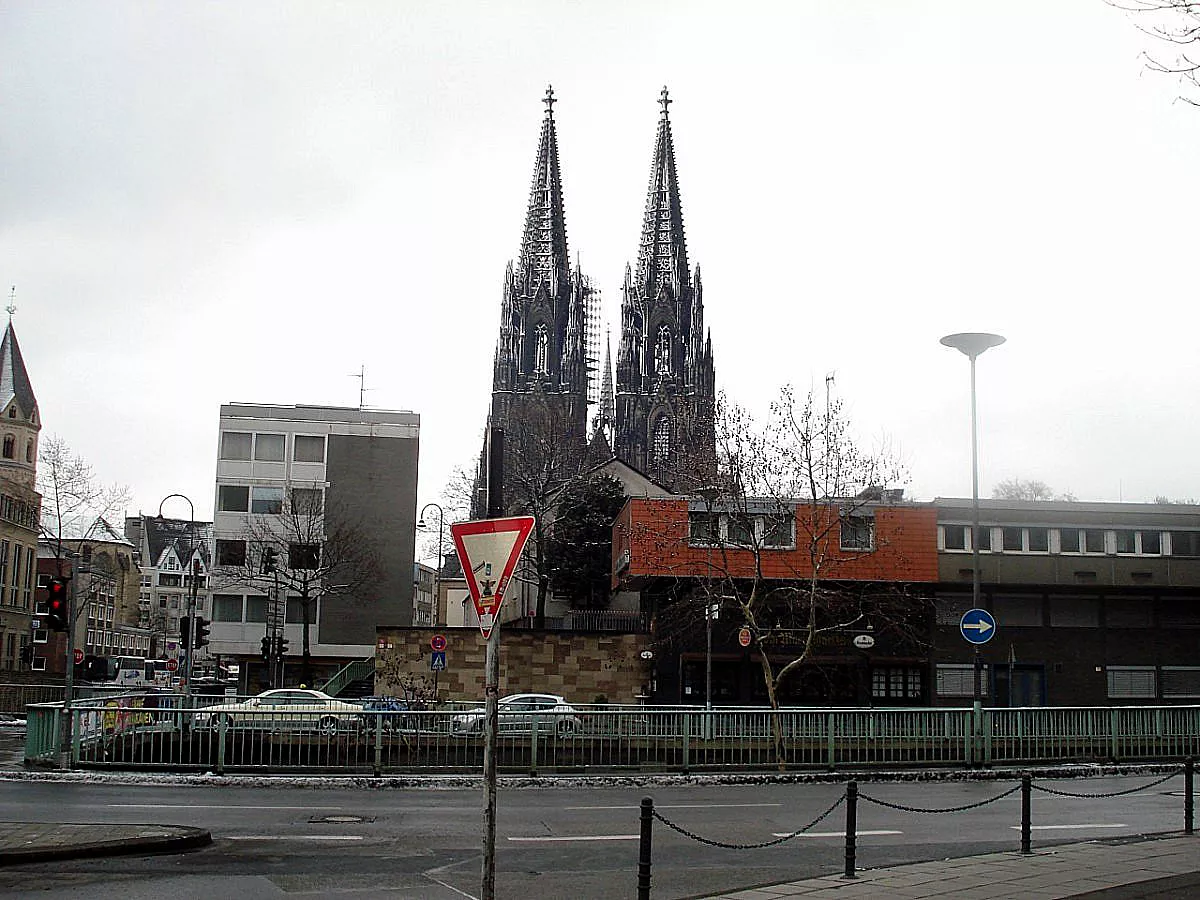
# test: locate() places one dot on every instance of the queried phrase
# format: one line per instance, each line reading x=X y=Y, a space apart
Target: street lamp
x=188 y=654
x=437 y=572
x=709 y=493
x=972 y=344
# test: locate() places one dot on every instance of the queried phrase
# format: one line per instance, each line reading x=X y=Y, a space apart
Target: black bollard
x=1026 y=789
x=1189 y=806
x=644 y=849
x=851 y=825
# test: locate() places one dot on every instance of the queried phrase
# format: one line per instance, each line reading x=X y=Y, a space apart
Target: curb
x=182 y=838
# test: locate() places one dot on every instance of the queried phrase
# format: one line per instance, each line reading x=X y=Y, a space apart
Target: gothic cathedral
x=660 y=420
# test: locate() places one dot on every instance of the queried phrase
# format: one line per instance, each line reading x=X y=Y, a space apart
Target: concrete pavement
x=1160 y=867
x=23 y=842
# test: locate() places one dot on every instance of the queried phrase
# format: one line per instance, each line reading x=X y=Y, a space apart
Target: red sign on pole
x=172 y=665
x=437 y=643
x=744 y=636
x=488 y=550
x=78 y=656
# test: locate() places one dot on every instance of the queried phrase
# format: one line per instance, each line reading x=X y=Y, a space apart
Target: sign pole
x=491 y=692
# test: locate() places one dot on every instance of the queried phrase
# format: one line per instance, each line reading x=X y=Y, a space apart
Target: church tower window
x=29 y=451
x=662 y=351
x=660 y=449
x=541 y=346
x=9 y=446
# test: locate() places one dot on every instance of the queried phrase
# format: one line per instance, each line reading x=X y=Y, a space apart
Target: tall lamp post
x=188 y=644
x=437 y=572
x=708 y=493
x=972 y=344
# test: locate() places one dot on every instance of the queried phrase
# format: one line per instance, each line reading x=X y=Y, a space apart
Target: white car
x=284 y=709
x=516 y=714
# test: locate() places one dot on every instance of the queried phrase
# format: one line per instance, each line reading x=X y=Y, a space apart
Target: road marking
x=1065 y=827
x=683 y=806
x=581 y=837
x=294 y=837
x=835 y=834
x=196 y=806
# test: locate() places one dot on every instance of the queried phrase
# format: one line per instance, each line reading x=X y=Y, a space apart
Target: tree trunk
x=306 y=650
x=776 y=722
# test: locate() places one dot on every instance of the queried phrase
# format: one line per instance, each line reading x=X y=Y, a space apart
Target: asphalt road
x=552 y=842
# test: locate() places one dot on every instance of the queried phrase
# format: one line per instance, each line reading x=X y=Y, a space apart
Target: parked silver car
x=284 y=709
x=516 y=714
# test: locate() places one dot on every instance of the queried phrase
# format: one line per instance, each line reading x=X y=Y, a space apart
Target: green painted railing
x=355 y=670
x=158 y=731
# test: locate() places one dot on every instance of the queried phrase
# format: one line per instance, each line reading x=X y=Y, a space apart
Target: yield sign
x=488 y=550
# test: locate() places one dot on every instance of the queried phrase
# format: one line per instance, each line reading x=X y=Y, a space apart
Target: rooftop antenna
x=361 y=375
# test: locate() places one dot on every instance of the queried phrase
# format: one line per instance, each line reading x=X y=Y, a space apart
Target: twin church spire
x=660 y=419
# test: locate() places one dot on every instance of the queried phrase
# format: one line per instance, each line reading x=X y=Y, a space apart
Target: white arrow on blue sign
x=977 y=626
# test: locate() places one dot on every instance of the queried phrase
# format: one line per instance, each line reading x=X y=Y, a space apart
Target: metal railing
x=165 y=731
x=355 y=670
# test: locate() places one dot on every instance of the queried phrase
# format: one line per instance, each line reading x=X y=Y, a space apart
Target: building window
x=1180 y=681
x=739 y=530
x=662 y=351
x=1125 y=541
x=857 y=533
x=304 y=556
x=233 y=498
x=268 y=447
x=227 y=607
x=266 y=501
x=1093 y=541
x=1129 y=682
x=306 y=501
x=9 y=446
x=235 y=444
x=41 y=636
x=256 y=608
x=702 y=528
x=231 y=553
x=660 y=449
x=954 y=680
x=1039 y=540
x=39 y=664
x=1185 y=543
x=541 y=364
x=29 y=451
x=954 y=537
x=1150 y=543
x=309 y=448
x=777 y=531
x=896 y=683
x=985 y=538
x=1012 y=538
x=295 y=611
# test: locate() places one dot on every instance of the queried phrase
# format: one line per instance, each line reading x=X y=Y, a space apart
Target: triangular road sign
x=488 y=550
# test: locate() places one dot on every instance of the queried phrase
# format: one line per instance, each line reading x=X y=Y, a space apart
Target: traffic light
x=56 y=604
x=270 y=561
x=281 y=646
x=185 y=631
x=201 y=632
x=266 y=648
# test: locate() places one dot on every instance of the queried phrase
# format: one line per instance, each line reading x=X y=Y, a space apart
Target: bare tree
x=1027 y=489
x=543 y=453
x=796 y=539
x=1174 y=22
x=306 y=550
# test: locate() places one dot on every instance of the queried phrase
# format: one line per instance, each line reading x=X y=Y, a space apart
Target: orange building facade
x=686 y=555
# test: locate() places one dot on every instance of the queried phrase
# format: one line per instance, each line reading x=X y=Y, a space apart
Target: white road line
x=293 y=837
x=683 y=806
x=197 y=806
x=835 y=834
x=1065 y=827
x=451 y=888
x=581 y=837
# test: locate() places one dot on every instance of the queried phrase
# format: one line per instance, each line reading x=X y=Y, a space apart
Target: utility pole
x=491 y=689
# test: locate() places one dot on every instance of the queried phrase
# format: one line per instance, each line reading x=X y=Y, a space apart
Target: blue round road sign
x=977 y=626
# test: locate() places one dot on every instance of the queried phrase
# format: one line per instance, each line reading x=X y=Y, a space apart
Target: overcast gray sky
x=213 y=202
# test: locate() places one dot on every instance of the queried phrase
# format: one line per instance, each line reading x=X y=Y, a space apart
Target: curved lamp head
x=972 y=343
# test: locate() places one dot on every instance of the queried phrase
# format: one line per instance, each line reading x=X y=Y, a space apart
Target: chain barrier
x=787 y=837
x=1144 y=787
x=948 y=809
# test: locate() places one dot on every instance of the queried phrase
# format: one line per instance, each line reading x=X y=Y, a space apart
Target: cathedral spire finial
x=549 y=99
x=665 y=100
x=12 y=303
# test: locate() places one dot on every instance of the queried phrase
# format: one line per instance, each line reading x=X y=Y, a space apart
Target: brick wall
x=580 y=667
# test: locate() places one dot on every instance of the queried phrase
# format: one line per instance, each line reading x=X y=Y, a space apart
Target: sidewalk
x=26 y=842
x=1117 y=869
